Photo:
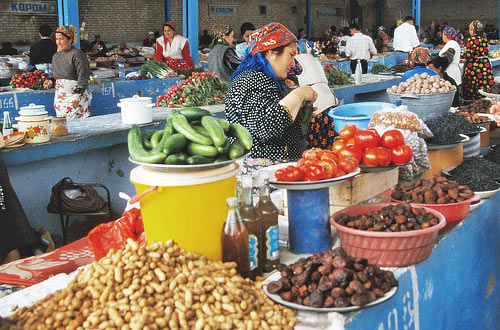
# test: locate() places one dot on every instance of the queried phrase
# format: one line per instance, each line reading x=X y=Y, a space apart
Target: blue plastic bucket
x=356 y=113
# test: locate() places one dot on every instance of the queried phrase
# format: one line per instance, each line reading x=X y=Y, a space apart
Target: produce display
x=377 y=68
x=422 y=84
x=332 y=279
x=157 y=287
x=157 y=69
x=477 y=173
x=436 y=190
x=447 y=127
x=32 y=80
x=474 y=118
x=493 y=155
x=478 y=106
x=494 y=53
x=201 y=88
x=375 y=150
x=317 y=164
x=336 y=76
x=495 y=89
x=176 y=64
x=191 y=136
x=394 y=218
x=400 y=68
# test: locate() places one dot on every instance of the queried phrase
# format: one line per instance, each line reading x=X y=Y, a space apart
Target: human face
x=168 y=32
x=281 y=64
x=246 y=36
x=471 y=29
x=445 y=38
x=62 y=42
x=230 y=38
x=432 y=67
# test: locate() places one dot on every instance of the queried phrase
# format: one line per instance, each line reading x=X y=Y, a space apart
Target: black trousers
x=364 y=66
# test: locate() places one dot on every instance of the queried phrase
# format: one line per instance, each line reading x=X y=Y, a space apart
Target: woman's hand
x=48 y=84
x=298 y=97
x=495 y=110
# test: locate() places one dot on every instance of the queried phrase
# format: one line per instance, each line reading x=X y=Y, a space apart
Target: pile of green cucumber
x=191 y=136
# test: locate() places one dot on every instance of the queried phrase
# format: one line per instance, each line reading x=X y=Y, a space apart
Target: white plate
x=474 y=207
x=276 y=276
x=386 y=73
x=303 y=185
x=483 y=93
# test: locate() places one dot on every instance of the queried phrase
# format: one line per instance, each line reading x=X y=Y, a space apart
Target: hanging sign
x=221 y=10
x=29 y=8
x=326 y=14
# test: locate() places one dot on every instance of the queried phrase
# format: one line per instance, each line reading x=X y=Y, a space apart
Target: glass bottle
x=269 y=219
x=121 y=70
x=234 y=239
x=252 y=221
x=7 y=124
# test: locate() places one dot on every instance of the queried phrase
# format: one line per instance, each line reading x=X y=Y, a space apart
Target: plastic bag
x=400 y=118
x=113 y=235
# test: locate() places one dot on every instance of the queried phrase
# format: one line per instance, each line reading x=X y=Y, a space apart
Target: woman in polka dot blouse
x=256 y=98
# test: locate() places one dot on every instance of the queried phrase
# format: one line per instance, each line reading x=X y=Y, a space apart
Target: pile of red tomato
x=370 y=148
x=317 y=164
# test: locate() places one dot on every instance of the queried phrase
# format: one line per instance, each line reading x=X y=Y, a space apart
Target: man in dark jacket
x=42 y=51
x=7 y=49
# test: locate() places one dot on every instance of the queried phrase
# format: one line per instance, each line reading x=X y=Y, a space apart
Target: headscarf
x=170 y=25
x=69 y=31
x=420 y=55
x=219 y=31
x=270 y=36
x=451 y=34
x=478 y=28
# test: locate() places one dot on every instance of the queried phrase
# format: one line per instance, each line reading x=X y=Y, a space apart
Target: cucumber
x=201 y=150
x=224 y=123
x=167 y=131
x=195 y=159
x=137 y=151
x=201 y=130
x=214 y=129
x=194 y=113
x=182 y=126
x=174 y=143
x=146 y=138
x=242 y=134
x=177 y=159
x=155 y=138
x=236 y=149
x=221 y=158
x=224 y=148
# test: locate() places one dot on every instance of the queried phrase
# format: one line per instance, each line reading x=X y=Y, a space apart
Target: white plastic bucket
x=136 y=110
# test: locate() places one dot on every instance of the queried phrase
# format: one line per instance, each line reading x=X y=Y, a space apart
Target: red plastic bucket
x=453 y=212
x=391 y=249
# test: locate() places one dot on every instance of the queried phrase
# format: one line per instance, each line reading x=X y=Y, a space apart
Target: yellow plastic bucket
x=189 y=208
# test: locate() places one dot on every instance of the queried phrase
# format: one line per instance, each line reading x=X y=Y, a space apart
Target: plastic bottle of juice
x=269 y=218
x=234 y=239
x=252 y=221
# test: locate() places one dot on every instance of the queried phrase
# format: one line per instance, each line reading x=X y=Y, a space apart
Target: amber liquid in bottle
x=234 y=239
x=269 y=219
x=251 y=219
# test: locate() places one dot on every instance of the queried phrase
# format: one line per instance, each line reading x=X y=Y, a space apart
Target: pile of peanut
x=156 y=287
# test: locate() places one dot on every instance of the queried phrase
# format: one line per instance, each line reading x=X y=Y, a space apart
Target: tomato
x=305 y=163
x=293 y=173
x=350 y=142
x=330 y=155
x=315 y=172
x=351 y=152
x=392 y=138
x=329 y=167
x=377 y=156
x=314 y=153
x=401 y=154
x=280 y=174
x=348 y=165
x=348 y=131
x=367 y=138
x=340 y=173
x=337 y=145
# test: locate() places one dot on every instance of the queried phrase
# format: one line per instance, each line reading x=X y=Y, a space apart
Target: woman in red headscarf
x=172 y=45
x=257 y=99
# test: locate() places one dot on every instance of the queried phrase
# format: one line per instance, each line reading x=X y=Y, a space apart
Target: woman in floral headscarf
x=257 y=99
x=71 y=71
x=222 y=58
x=451 y=51
x=478 y=73
x=418 y=59
x=172 y=45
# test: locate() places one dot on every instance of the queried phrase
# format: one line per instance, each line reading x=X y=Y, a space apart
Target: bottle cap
x=398 y=102
x=232 y=201
x=246 y=180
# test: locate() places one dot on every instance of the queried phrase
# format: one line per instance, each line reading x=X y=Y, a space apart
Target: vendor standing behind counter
x=172 y=45
x=222 y=58
x=256 y=98
x=72 y=73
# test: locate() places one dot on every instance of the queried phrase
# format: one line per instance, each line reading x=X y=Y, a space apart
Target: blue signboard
x=326 y=14
x=30 y=8
x=224 y=10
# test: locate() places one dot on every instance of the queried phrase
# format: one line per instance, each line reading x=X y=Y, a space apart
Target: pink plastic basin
x=387 y=248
